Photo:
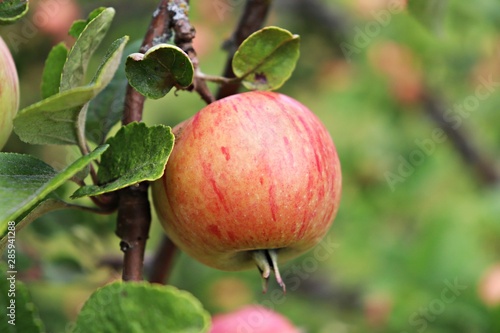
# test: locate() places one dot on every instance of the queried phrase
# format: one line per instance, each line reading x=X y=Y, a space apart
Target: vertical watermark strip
x=11 y=273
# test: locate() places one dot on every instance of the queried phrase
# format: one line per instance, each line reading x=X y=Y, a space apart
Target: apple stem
x=267 y=260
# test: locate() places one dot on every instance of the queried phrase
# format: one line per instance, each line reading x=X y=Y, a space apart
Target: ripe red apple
x=9 y=92
x=252 y=319
x=251 y=177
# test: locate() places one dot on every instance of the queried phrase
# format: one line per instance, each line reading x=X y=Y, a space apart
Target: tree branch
x=162 y=261
x=331 y=23
x=134 y=220
x=252 y=19
x=483 y=167
x=134 y=215
x=184 y=35
x=158 y=32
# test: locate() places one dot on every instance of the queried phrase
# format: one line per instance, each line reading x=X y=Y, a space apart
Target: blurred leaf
x=77 y=28
x=63 y=268
x=137 y=307
x=267 y=58
x=47 y=205
x=12 y=10
x=25 y=180
x=107 y=108
x=51 y=77
x=430 y=13
x=54 y=120
x=161 y=68
x=73 y=74
x=137 y=153
x=79 y=25
x=25 y=316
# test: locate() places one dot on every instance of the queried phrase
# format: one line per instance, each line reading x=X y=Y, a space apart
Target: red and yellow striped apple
x=9 y=92
x=251 y=177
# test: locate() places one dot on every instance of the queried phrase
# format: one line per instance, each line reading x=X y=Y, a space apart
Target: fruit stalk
x=267 y=261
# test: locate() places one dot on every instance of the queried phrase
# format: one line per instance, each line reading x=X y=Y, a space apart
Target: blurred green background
x=416 y=243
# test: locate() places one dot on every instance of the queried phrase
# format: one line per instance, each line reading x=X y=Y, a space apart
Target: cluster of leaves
x=80 y=113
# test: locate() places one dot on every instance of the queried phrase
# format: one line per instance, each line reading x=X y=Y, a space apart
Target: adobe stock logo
x=454 y=117
x=427 y=314
x=363 y=36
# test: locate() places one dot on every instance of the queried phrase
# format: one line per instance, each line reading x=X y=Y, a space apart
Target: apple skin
x=9 y=92
x=253 y=171
x=252 y=319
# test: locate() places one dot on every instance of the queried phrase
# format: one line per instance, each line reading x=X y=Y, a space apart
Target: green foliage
x=51 y=78
x=18 y=313
x=137 y=153
x=25 y=180
x=20 y=177
x=138 y=307
x=12 y=10
x=106 y=109
x=59 y=119
x=75 y=68
x=431 y=13
x=266 y=59
x=399 y=246
x=161 y=68
x=102 y=24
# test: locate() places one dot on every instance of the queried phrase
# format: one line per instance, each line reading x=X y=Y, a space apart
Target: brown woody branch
x=484 y=168
x=162 y=261
x=252 y=19
x=184 y=35
x=134 y=215
x=183 y=38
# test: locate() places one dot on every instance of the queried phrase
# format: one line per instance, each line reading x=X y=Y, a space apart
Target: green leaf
x=25 y=318
x=137 y=153
x=51 y=78
x=161 y=68
x=47 y=205
x=77 y=28
x=54 y=120
x=73 y=74
x=106 y=109
x=25 y=180
x=430 y=13
x=137 y=307
x=79 y=25
x=12 y=10
x=267 y=58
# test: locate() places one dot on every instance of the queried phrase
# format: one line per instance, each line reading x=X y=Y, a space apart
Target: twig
x=134 y=215
x=484 y=168
x=252 y=19
x=158 y=32
x=331 y=23
x=216 y=79
x=184 y=35
x=162 y=261
x=134 y=219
